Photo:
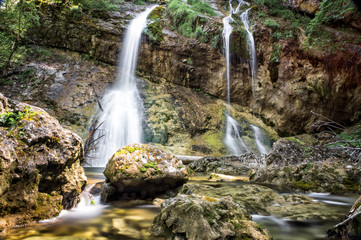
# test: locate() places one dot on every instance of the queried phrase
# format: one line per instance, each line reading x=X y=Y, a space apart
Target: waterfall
x=251 y=49
x=121 y=114
x=226 y=33
x=233 y=139
x=259 y=139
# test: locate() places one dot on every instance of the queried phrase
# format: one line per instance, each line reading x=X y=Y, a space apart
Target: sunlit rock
x=40 y=165
x=141 y=171
x=191 y=217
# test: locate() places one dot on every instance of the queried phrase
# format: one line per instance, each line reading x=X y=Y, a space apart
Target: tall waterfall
x=251 y=49
x=233 y=139
x=121 y=114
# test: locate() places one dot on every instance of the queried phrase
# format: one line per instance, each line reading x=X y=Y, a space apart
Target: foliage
x=188 y=17
x=330 y=11
x=17 y=17
x=11 y=119
x=99 y=5
x=271 y=23
x=154 y=31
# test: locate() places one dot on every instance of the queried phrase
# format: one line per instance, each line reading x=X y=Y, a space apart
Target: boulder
x=231 y=165
x=205 y=218
x=40 y=165
x=141 y=171
x=310 y=168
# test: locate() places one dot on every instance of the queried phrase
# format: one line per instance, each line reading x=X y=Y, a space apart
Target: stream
x=131 y=220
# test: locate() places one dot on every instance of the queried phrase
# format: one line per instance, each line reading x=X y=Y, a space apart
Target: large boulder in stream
x=141 y=171
x=318 y=168
x=205 y=218
x=40 y=165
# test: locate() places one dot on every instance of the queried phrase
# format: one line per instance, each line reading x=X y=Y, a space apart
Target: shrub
x=187 y=17
x=271 y=23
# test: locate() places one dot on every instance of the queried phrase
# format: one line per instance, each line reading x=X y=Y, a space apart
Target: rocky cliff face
x=292 y=80
x=40 y=165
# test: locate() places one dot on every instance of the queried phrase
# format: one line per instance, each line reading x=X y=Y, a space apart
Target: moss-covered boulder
x=141 y=171
x=262 y=200
x=304 y=167
x=40 y=165
x=205 y=218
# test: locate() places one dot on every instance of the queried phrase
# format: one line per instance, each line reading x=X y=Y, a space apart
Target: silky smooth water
x=233 y=139
x=121 y=107
x=131 y=220
x=260 y=138
x=251 y=46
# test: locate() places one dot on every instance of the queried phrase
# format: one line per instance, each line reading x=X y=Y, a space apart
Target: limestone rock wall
x=287 y=90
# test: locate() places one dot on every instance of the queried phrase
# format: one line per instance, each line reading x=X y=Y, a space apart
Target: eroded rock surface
x=196 y=217
x=40 y=165
x=141 y=171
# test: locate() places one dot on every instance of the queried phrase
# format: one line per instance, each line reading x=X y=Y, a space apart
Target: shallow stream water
x=131 y=220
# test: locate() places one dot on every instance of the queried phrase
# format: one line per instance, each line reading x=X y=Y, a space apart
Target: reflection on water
x=91 y=220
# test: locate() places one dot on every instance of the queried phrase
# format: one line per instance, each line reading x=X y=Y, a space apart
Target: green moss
x=308 y=167
x=303 y=185
x=151 y=165
x=351 y=185
x=295 y=140
x=154 y=32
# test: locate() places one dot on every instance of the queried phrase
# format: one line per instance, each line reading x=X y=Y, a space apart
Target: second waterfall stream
x=122 y=107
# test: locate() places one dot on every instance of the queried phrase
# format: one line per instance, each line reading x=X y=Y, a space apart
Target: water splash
x=259 y=138
x=122 y=115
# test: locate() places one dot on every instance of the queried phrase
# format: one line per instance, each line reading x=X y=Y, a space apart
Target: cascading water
x=251 y=48
x=121 y=114
x=233 y=139
x=259 y=139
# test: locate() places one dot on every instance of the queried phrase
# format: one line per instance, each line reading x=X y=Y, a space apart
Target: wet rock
x=141 y=171
x=66 y=85
x=310 y=168
x=40 y=165
x=216 y=177
x=350 y=226
x=192 y=217
x=232 y=165
x=263 y=200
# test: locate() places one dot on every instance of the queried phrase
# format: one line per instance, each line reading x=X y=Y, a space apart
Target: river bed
x=92 y=220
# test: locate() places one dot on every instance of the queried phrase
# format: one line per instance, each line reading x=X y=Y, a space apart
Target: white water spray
x=121 y=117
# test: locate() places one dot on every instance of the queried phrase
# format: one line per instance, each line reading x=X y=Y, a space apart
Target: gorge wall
x=293 y=80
